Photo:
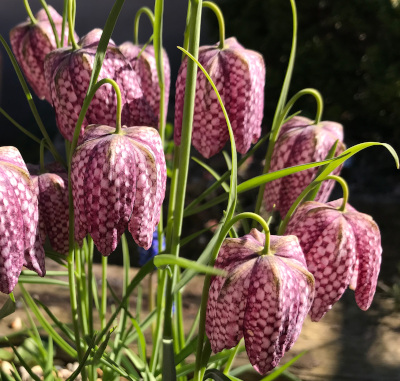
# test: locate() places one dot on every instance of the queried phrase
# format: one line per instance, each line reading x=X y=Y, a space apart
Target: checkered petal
x=239 y=76
x=301 y=142
x=31 y=43
x=264 y=298
x=146 y=67
x=68 y=74
x=18 y=220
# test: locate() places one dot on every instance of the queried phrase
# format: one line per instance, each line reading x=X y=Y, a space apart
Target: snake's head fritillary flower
x=264 y=298
x=300 y=142
x=143 y=62
x=68 y=75
x=342 y=249
x=31 y=42
x=20 y=243
x=239 y=75
x=52 y=192
x=118 y=181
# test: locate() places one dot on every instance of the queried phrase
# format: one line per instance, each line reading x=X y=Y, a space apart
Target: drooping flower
x=52 y=192
x=144 y=64
x=68 y=75
x=264 y=298
x=342 y=249
x=31 y=42
x=20 y=243
x=118 y=181
x=301 y=142
x=239 y=75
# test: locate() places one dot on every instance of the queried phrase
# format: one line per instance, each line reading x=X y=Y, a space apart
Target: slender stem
x=345 y=189
x=89 y=260
x=103 y=306
x=51 y=21
x=65 y=16
x=187 y=30
x=221 y=23
x=277 y=121
x=29 y=11
x=71 y=24
x=315 y=93
x=41 y=156
x=231 y=358
x=148 y=12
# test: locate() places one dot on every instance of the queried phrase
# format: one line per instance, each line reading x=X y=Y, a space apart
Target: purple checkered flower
x=239 y=75
x=118 y=181
x=264 y=298
x=342 y=249
x=20 y=243
x=52 y=192
x=144 y=64
x=68 y=75
x=301 y=142
x=31 y=42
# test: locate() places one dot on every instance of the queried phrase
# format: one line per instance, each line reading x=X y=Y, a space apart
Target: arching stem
x=29 y=11
x=345 y=189
x=53 y=26
x=71 y=26
x=41 y=155
x=221 y=23
x=148 y=12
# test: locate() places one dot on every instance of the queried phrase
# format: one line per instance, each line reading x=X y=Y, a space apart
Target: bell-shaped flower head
x=264 y=298
x=118 y=181
x=31 y=42
x=342 y=249
x=68 y=75
x=143 y=62
x=239 y=75
x=300 y=142
x=20 y=243
x=52 y=192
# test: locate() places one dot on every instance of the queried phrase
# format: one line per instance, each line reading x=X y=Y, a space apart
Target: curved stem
x=148 y=12
x=221 y=23
x=53 y=27
x=276 y=124
x=71 y=24
x=29 y=11
x=345 y=189
x=318 y=98
x=64 y=21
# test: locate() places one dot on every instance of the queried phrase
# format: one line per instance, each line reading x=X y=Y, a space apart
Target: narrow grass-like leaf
x=277 y=372
x=193 y=236
x=169 y=367
x=168 y=259
x=217 y=375
x=8 y=307
x=144 y=325
x=141 y=340
x=212 y=172
x=37 y=280
x=24 y=364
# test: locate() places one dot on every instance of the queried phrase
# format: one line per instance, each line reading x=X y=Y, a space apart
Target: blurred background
x=348 y=50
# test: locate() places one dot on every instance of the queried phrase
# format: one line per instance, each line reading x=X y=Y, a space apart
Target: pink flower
x=239 y=75
x=146 y=68
x=342 y=249
x=68 y=75
x=264 y=298
x=20 y=243
x=301 y=142
x=31 y=43
x=118 y=181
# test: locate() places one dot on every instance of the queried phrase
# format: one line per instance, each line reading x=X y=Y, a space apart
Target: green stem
x=89 y=260
x=277 y=121
x=315 y=93
x=187 y=30
x=148 y=12
x=221 y=23
x=71 y=26
x=53 y=26
x=65 y=16
x=345 y=189
x=29 y=11
x=41 y=156
x=103 y=308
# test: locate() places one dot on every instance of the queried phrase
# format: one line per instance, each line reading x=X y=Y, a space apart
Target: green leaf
x=38 y=280
x=169 y=368
x=103 y=346
x=216 y=375
x=8 y=307
x=141 y=339
x=24 y=364
x=168 y=259
x=212 y=172
x=281 y=369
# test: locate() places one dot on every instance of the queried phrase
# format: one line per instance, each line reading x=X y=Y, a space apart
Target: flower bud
x=264 y=298
x=118 y=181
x=301 y=142
x=31 y=42
x=239 y=75
x=342 y=249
